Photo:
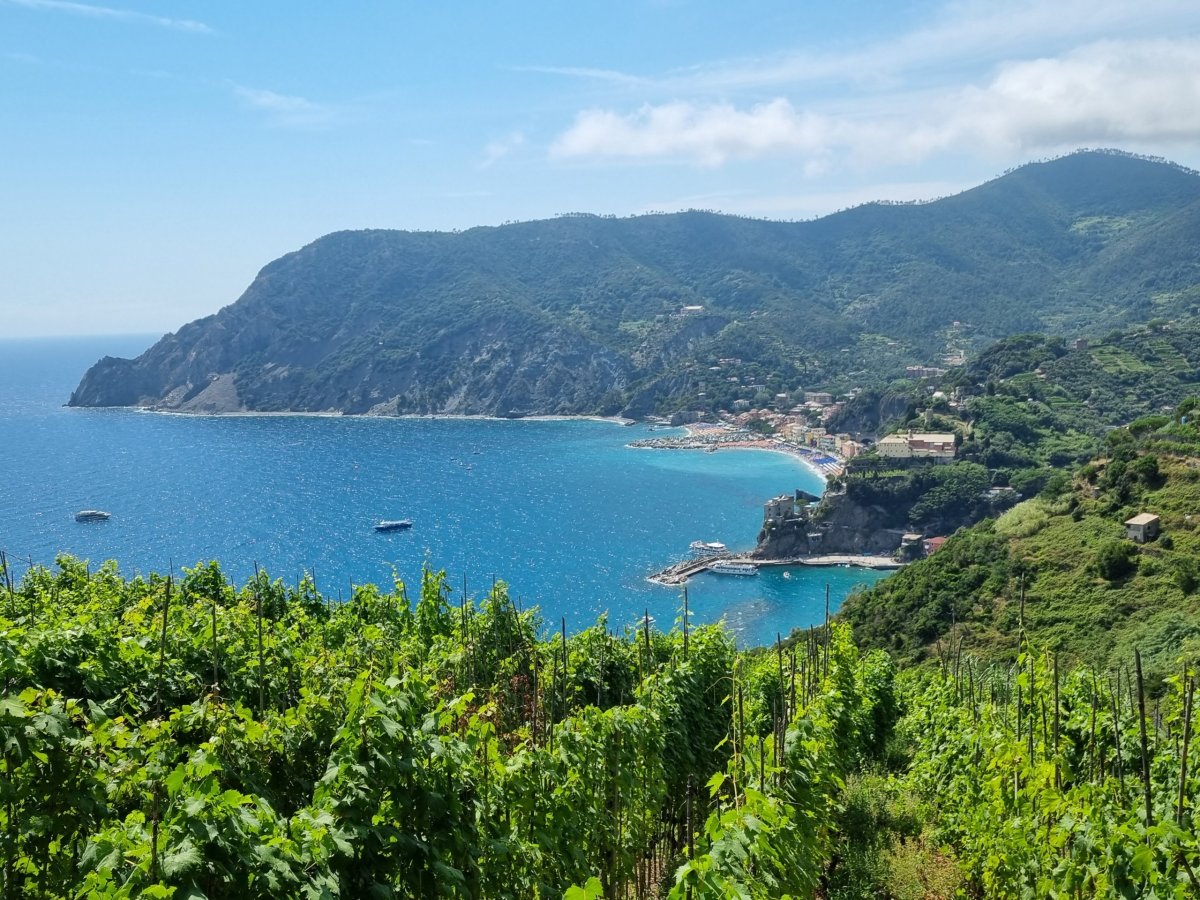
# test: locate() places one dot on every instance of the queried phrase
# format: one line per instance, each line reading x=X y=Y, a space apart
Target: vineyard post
x=162 y=651
x=1057 y=766
x=1092 y=736
x=7 y=583
x=216 y=650
x=741 y=747
x=825 y=670
x=649 y=652
x=1141 y=696
x=685 y=623
x=1188 y=684
x=779 y=657
x=1032 y=707
x=1116 y=714
x=258 y=615
x=791 y=708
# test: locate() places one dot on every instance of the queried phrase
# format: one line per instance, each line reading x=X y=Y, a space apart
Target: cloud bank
x=1123 y=92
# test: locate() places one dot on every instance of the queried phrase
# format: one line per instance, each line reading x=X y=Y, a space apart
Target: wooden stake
x=1187 y=734
x=1141 y=697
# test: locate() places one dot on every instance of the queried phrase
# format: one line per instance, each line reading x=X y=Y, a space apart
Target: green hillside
x=1088 y=592
x=585 y=314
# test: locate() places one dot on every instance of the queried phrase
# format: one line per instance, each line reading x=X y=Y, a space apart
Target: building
x=820 y=398
x=933 y=545
x=917 y=445
x=1143 y=527
x=1079 y=344
x=777 y=509
x=691 y=310
x=924 y=372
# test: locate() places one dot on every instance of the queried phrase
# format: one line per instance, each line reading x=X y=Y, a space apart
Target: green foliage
x=373 y=749
x=1086 y=591
x=1034 y=775
x=1116 y=560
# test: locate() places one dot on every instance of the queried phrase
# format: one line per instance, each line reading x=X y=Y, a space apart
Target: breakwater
x=678 y=573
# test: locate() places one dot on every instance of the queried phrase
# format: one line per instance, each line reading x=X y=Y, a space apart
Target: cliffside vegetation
x=1060 y=563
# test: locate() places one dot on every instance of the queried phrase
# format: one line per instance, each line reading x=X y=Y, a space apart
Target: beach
x=712 y=437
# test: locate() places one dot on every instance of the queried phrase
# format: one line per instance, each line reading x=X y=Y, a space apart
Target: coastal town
x=790 y=534
x=799 y=430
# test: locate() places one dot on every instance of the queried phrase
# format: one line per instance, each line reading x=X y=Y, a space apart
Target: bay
x=563 y=511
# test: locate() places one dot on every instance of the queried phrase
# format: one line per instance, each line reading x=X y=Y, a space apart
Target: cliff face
x=583 y=314
x=836 y=525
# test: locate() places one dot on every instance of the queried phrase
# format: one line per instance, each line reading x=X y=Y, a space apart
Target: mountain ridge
x=590 y=315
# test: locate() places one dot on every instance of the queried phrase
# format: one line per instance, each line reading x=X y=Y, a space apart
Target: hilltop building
x=917 y=445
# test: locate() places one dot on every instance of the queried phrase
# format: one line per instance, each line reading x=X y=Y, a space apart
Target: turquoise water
x=564 y=512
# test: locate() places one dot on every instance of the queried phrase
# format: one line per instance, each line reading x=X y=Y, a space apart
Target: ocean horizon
x=557 y=507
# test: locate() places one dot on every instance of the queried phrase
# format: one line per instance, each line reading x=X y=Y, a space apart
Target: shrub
x=1116 y=560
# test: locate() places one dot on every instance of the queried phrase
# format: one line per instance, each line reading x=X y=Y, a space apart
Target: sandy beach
x=774 y=445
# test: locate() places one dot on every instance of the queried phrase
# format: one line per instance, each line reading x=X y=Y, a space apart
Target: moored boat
x=706 y=548
x=393 y=524
x=732 y=568
x=92 y=515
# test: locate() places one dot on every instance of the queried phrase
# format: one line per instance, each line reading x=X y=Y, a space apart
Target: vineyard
x=188 y=738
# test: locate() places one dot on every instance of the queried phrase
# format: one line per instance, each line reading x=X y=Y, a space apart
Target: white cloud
x=960 y=33
x=1104 y=93
x=610 y=75
x=117 y=15
x=498 y=149
x=284 y=109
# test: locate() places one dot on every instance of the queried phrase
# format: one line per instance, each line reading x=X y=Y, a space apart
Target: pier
x=678 y=573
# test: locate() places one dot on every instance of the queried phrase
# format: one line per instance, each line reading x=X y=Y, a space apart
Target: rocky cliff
x=835 y=525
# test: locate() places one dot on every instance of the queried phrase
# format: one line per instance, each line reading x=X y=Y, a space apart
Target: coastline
x=333 y=414
x=771 y=445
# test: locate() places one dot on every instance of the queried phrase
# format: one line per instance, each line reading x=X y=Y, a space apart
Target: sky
x=155 y=154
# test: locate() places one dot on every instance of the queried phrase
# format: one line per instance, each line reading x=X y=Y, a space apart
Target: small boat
x=731 y=568
x=706 y=548
x=393 y=524
x=92 y=515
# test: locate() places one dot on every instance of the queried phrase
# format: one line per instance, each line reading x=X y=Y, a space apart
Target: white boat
x=393 y=524
x=92 y=515
x=707 y=548
x=732 y=568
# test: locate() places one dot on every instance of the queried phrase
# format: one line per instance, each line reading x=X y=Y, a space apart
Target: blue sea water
x=563 y=511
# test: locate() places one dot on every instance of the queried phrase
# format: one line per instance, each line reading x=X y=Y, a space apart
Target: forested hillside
x=1060 y=563
x=583 y=314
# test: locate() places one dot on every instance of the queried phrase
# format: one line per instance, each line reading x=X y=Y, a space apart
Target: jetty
x=678 y=573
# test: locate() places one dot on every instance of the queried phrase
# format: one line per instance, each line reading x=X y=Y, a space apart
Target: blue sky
x=154 y=154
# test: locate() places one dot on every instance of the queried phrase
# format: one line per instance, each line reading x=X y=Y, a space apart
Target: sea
x=563 y=511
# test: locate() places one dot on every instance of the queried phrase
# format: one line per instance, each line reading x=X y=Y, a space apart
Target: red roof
x=933 y=544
